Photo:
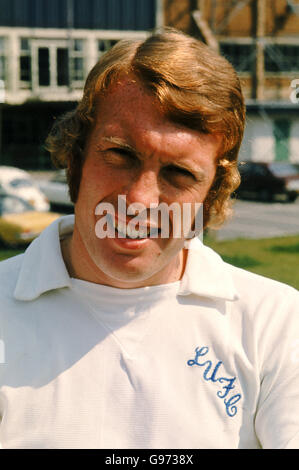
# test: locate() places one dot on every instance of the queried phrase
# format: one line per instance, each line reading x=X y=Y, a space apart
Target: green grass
x=276 y=258
x=7 y=253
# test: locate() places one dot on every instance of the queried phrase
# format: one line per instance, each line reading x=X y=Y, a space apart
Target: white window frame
x=52 y=45
x=3 y=57
x=275 y=58
x=24 y=84
x=74 y=54
x=107 y=43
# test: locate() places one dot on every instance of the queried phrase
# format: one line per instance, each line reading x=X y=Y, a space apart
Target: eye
x=120 y=157
x=178 y=173
x=123 y=152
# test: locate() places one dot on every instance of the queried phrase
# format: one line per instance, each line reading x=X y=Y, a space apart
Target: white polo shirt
x=209 y=362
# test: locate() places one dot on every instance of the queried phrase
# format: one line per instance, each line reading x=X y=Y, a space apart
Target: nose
x=144 y=189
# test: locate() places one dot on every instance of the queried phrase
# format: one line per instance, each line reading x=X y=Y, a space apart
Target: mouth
x=126 y=230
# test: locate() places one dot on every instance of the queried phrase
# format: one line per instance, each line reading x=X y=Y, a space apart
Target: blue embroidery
x=230 y=402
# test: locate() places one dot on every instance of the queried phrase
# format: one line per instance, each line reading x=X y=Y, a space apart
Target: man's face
x=135 y=152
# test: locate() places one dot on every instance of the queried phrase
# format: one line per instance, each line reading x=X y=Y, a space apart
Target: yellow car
x=19 y=222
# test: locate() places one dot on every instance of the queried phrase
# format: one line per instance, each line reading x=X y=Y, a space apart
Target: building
x=261 y=39
x=47 y=48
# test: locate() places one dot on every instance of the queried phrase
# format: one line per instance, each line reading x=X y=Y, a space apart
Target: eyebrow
x=197 y=172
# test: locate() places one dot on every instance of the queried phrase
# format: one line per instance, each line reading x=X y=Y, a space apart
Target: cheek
x=198 y=193
x=96 y=181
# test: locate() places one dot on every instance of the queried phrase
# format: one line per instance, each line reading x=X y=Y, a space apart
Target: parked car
x=19 y=222
x=17 y=182
x=268 y=181
x=57 y=192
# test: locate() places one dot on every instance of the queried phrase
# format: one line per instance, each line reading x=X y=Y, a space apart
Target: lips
x=133 y=231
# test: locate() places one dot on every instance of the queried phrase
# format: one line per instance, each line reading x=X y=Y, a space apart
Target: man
x=118 y=339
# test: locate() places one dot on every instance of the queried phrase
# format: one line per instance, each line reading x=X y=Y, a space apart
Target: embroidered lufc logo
x=212 y=375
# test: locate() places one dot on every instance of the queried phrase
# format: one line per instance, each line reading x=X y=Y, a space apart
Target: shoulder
x=269 y=304
x=255 y=287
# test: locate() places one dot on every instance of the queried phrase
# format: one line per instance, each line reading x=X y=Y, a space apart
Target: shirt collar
x=43 y=268
x=206 y=274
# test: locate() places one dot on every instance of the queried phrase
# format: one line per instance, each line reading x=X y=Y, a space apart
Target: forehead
x=125 y=102
x=129 y=111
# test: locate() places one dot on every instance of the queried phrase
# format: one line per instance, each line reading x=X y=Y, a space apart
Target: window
x=25 y=63
x=105 y=44
x=260 y=170
x=78 y=45
x=50 y=63
x=241 y=56
x=62 y=62
x=283 y=169
x=13 y=205
x=43 y=66
x=2 y=58
x=77 y=62
x=281 y=58
x=60 y=177
x=48 y=57
x=282 y=128
x=20 y=183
